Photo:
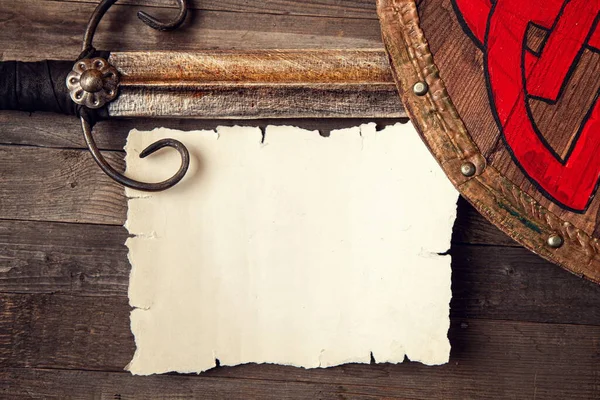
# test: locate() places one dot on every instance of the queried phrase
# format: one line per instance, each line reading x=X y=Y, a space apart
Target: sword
x=207 y=85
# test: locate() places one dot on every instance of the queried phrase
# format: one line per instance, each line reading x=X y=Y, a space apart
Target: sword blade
x=256 y=84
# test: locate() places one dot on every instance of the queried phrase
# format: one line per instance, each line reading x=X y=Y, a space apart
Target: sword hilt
x=84 y=88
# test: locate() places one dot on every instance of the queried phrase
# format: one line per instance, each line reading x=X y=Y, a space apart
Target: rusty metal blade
x=256 y=84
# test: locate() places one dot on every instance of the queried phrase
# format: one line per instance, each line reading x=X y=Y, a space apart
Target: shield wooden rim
x=439 y=124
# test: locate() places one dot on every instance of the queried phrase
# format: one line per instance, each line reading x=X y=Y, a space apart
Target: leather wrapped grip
x=36 y=86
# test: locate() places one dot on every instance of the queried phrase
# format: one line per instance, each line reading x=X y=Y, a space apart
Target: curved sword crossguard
x=166 y=26
x=154 y=147
x=99 y=87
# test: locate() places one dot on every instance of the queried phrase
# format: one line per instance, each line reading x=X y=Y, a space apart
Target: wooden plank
x=60 y=131
x=57 y=331
x=408 y=381
x=44 y=257
x=489 y=359
x=33 y=30
x=53 y=130
x=58 y=185
x=50 y=384
x=511 y=283
x=498 y=359
x=322 y=8
x=471 y=227
x=66 y=185
x=488 y=281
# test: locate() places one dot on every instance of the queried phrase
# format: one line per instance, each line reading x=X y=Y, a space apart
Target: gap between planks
x=62 y=24
x=484 y=353
x=90 y=261
x=364 y=9
x=47 y=130
x=42 y=184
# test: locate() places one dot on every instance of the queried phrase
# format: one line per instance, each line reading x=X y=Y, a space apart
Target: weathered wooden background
x=521 y=327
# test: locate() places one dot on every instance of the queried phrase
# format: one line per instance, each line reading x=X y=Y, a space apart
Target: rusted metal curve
x=154 y=147
x=152 y=22
x=85 y=112
x=166 y=26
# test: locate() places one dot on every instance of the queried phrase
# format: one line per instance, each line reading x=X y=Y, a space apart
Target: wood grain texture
x=472 y=228
x=513 y=284
x=461 y=64
x=66 y=332
x=61 y=25
x=53 y=384
x=490 y=359
x=322 y=8
x=65 y=185
x=64 y=317
x=59 y=131
x=45 y=257
x=488 y=281
x=59 y=185
x=490 y=190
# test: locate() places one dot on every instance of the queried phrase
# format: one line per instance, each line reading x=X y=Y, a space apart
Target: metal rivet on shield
x=468 y=169
x=420 y=88
x=555 y=241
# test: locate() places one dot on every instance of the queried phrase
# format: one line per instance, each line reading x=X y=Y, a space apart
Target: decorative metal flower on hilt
x=93 y=83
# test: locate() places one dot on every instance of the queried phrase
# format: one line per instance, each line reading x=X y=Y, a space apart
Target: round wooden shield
x=505 y=94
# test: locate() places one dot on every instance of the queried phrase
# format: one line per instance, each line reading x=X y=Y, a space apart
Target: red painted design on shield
x=515 y=74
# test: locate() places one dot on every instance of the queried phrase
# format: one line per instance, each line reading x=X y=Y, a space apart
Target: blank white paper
x=292 y=249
